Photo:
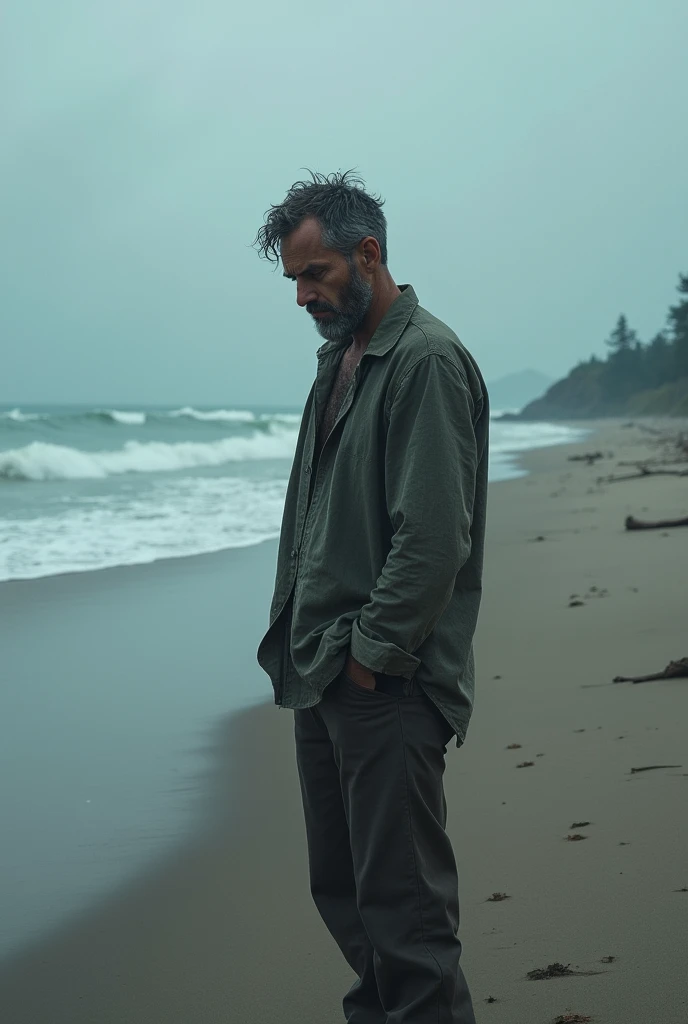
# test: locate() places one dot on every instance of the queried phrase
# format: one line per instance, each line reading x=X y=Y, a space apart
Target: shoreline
x=221 y=927
x=511 y=459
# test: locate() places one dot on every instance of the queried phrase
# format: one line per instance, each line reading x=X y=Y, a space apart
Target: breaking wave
x=44 y=461
x=140 y=418
x=17 y=416
x=129 y=419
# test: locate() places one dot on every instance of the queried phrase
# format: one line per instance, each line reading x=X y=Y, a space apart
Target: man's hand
x=360 y=675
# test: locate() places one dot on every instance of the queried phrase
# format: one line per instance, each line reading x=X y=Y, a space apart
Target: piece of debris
x=589 y=457
x=539 y=755
x=684 y=889
x=497 y=897
x=624 y=844
x=674 y=670
x=576 y=604
x=579 y=730
x=608 y=960
x=538 y=539
x=491 y=999
x=575 y=838
x=514 y=746
x=555 y=970
x=654 y=767
x=496 y=677
x=525 y=764
x=572 y=1018
x=661 y=524
x=580 y=824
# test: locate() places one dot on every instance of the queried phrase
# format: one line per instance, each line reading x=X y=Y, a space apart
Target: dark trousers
x=382 y=870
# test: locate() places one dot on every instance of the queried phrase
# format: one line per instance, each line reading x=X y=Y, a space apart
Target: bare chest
x=345 y=374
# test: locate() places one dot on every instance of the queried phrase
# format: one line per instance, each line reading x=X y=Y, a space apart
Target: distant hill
x=635 y=379
x=517 y=389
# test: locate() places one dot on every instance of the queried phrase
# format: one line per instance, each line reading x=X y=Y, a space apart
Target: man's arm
x=430 y=469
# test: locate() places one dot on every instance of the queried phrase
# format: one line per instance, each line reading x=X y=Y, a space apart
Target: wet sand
x=221 y=929
x=112 y=685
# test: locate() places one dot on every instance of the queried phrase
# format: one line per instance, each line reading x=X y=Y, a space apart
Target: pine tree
x=622 y=338
x=624 y=370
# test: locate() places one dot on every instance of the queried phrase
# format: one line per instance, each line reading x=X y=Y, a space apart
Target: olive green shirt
x=381 y=548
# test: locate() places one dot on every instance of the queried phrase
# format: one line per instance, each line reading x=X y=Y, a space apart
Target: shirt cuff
x=381 y=656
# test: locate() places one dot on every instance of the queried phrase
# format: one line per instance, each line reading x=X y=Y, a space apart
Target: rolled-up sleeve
x=430 y=471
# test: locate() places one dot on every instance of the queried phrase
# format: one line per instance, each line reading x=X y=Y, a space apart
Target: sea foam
x=176 y=517
x=214 y=415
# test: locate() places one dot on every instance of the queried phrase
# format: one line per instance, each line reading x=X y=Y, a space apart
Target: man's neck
x=383 y=298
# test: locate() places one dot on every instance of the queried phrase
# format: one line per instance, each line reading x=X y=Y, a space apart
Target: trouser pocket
x=395 y=686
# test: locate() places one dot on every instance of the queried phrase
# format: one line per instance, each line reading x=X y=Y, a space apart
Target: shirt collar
x=390 y=328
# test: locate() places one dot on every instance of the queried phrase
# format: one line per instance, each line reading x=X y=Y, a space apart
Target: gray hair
x=339 y=202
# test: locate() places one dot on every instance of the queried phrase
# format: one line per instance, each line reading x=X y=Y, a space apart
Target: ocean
x=90 y=488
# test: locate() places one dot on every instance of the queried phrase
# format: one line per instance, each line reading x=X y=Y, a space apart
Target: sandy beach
x=220 y=928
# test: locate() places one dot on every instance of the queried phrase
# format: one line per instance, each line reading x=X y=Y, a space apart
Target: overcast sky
x=533 y=156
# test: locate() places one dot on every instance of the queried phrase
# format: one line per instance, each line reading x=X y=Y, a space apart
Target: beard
x=348 y=316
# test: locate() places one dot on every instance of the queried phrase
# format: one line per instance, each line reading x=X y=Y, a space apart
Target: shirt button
x=309 y=469
x=294 y=552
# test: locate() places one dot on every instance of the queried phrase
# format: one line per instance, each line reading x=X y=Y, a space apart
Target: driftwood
x=647 y=429
x=674 y=670
x=670 y=460
x=673 y=452
x=643 y=471
x=589 y=457
x=661 y=524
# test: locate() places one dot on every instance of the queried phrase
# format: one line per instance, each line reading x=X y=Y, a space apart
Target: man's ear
x=369 y=249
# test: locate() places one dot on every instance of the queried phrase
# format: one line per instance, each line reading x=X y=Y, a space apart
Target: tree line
x=635 y=377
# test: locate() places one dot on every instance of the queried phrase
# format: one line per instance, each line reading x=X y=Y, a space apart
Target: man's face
x=327 y=284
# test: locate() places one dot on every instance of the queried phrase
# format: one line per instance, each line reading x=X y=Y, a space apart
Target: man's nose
x=305 y=293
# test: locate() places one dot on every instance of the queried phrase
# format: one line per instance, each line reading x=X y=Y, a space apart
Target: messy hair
x=339 y=202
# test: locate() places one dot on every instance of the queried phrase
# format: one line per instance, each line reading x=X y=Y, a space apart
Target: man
x=376 y=600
